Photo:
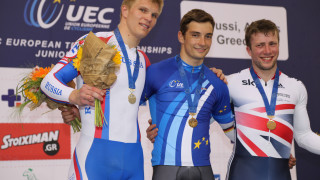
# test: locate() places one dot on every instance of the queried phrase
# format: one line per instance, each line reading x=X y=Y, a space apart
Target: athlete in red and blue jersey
x=270 y=110
x=121 y=127
x=114 y=150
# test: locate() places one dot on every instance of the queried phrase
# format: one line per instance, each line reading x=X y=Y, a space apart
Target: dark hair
x=260 y=26
x=196 y=15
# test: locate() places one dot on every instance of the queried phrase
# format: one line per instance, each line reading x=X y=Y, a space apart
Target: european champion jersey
x=177 y=143
x=261 y=153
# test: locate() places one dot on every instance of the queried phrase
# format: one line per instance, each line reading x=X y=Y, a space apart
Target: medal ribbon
x=270 y=108
x=132 y=78
x=192 y=105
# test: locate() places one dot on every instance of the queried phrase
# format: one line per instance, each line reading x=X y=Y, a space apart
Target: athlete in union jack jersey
x=268 y=114
x=254 y=138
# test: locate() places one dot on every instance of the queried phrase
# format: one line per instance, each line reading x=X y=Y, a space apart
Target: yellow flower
x=117 y=58
x=31 y=96
x=76 y=61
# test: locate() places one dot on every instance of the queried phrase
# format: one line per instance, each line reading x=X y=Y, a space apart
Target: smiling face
x=196 y=42
x=264 y=51
x=140 y=18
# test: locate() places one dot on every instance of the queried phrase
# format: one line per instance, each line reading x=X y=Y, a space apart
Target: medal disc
x=132 y=98
x=193 y=122
x=271 y=125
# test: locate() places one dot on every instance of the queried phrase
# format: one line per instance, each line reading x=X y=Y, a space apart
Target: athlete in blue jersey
x=113 y=151
x=183 y=96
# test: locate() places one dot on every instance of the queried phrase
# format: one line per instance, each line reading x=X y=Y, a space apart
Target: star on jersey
x=197 y=144
x=221 y=111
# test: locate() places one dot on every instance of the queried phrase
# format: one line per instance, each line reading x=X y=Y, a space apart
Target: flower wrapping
x=99 y=64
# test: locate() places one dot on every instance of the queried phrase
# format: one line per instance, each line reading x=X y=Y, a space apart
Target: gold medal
x=271 y=124
x=193 y=122
x=132 y=98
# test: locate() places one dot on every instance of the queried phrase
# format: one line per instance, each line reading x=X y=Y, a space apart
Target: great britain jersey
x=113 y=151
x=259 y=152
x=251 y=118
x=177 y=143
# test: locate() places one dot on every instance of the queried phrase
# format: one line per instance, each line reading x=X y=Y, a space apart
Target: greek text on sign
x=231 y=21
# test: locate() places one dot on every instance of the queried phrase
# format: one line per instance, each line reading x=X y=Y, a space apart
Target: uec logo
x=47 y=15
x=176 y=83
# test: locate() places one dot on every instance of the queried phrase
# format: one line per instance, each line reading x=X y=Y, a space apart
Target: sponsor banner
x=231 y=21
x=34 y=141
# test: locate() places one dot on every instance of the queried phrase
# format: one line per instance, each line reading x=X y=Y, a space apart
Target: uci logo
x=176 y=83
x=46 y=15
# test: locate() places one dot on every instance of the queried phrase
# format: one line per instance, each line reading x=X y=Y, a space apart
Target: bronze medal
x=271 y=124
x=193 y=122
x=132 y=98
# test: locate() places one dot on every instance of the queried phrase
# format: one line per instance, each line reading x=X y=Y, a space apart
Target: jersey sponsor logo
x=34 y=141
x=87 y=110
x=284 y=95
x=175 y=84
x=53 y=89
x=250 y=82
x=217 y=177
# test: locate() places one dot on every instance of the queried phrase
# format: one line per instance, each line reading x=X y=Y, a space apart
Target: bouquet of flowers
x=98 y=63
x=29 y=87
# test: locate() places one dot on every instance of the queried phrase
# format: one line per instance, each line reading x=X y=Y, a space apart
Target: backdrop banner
x=39 y=32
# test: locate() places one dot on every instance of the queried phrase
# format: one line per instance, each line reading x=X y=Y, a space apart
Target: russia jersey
x=113 y=151
x=177 y=143
x=121 y=116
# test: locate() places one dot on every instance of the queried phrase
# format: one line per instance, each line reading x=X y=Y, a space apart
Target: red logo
x=34 y=141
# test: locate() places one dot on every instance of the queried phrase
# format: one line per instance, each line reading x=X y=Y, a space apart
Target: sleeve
x=54 y=85
x=222 y=112
x=303 y=134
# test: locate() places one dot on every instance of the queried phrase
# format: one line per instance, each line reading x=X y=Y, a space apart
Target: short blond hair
x=130 y=2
